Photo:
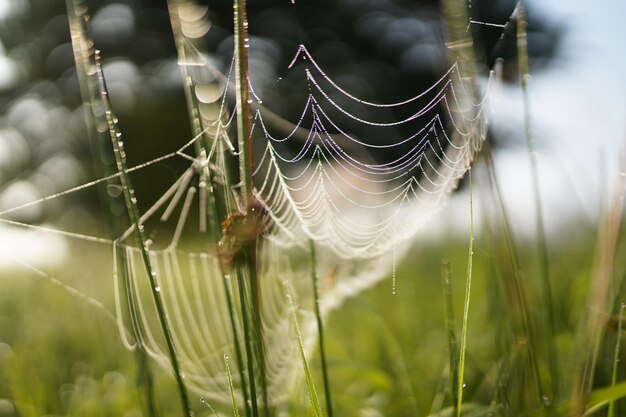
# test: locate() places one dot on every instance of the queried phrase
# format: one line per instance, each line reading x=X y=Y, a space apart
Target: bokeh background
x=379 y=50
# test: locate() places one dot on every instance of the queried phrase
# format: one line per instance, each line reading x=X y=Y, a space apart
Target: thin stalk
x=320 y=328
x=466 y=304
x=315 y=404
x=212 y=209
x=599 y=299
x=453 y=343
x=105 y=165
x=515 y=291
x=133 y=214
x=147 y=381
x=239 y=356
x=141 y=353
x=620 y=323
x=246 y=169
x=255 y=317
x=243 y=108
x=230 y=386
x=247 y=341
x=542 y=246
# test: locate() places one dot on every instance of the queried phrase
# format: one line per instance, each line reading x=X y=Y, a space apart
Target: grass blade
x=466 y=305
x=542 y=246
x=453 y=343
x=315 y=404
x=620 y=323
x=133 y=213
x=230 y=386
x=320 y=328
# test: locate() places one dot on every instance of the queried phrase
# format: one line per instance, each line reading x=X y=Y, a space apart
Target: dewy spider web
x=343 y=200
x=316 y=182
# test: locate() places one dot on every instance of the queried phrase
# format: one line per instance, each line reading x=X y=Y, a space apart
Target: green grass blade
x=248 y=343
x=620 y=323
x=466 y=305
x=243 y=106
x=230 y=387
x=320 y=328
x=133 y=213
x=453 y=343
x=600 y=300
x=542 y=246
x=313 y=398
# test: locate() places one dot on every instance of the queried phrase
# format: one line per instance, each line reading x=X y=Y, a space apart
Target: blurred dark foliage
x=379 y=50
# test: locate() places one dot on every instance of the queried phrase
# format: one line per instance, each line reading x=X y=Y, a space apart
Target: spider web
x=316 y=182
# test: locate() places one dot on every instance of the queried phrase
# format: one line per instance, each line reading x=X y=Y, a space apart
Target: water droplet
x=157 y=289
x=545 y=400
x=249 y=101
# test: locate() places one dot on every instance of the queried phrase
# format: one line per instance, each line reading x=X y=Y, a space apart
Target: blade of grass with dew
x=542 y=246
x=453 y=347
x=320 y=328
x=88 y=81
x=466 y=305
x=230 y=386
x=246 y=168
x=133 y=213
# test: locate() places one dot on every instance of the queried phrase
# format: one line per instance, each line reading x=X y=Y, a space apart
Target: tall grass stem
x=320 y=328
x=542 y=246
x=618 y=338
x=133 y=213
x=466 y=304
x=453 y=343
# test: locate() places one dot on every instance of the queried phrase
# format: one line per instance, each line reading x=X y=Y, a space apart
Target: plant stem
x=230 y=386
x=104 y=166
x=320 y=328
x=451 y=330
x=247 y=342
x=133 y=214
x=243 y=108
x=544 y=263
x=214 y=218
x=468 y=290
x=620 y=323
x=246 y=168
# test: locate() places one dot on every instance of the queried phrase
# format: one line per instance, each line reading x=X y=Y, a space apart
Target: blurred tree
x=379 y=50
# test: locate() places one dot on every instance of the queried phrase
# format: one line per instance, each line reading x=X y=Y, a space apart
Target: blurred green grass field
x=387 y=353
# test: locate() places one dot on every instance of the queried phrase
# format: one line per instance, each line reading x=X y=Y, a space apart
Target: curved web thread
x=331 y=190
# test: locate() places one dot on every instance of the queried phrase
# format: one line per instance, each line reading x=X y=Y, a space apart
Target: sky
x=578 y=111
